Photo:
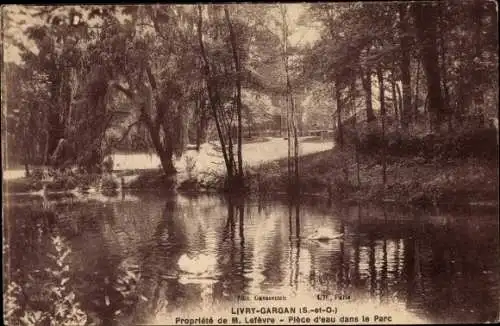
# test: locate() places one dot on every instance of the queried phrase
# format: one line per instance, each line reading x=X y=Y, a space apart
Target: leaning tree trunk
x=212 y=96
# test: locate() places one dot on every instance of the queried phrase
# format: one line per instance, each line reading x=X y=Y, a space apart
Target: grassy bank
x=419 y=181
x=458 y=169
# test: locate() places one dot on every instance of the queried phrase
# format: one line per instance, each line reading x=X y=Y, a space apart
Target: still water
x=415 y=266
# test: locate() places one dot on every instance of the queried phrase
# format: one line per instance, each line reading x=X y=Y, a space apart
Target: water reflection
x=440 y=267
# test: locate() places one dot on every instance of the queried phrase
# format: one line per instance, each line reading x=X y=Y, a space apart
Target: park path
x=208 y=159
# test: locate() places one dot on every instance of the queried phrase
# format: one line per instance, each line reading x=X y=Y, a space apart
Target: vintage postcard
x=250 y=163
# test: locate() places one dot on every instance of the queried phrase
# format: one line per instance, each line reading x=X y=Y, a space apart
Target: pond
x=407 y=265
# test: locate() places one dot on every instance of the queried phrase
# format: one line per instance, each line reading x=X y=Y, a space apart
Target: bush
x=107 y=164
x=59 y=303
x=63 y=182
x=85 y=181
x=190 y=166
x=477 y=143
x=189 y=185
x=109 y=185
x=37 y=173
x=109 y=182
x=22 y=185
x=155 y=179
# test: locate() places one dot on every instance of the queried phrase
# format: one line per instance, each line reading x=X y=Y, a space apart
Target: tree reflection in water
x=442 y=267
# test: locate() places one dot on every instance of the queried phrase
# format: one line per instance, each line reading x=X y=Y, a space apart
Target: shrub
x=85 y=180
x=60 y=306
x=107 y=164
x=154 y=179
x=22 y=185
x=37 y=173
x=108 y=182
x=190 y=166
x=109 y=185
x=478 y=143
x=189 y=185
x=339 y=188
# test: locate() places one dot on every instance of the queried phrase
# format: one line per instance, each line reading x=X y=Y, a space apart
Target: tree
x=405 y=39
x=293 y=166
x=237 y=68
x=61 y=37
x=425 y=16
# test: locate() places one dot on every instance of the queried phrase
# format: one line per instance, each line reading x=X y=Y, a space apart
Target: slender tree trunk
x=405 y=65
x=212 y=96
x=291 y=119
x=367 y=86
x=236 y=59
x=199 y=121
x=416 y=98
x=356 y=149
x=399 y=98
x=339 y=114
x=295 y=143
x=352 y=101
x=477 y=53
x=394 y=98
x=442 y=53
x=380 y=77
x=352 y=95
x=289 y=141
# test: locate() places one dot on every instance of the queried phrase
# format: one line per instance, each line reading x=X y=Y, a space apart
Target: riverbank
x=141 y=171
x=325 y=171
x=334 y=174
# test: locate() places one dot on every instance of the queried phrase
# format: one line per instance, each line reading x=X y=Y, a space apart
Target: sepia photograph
x=262 y=163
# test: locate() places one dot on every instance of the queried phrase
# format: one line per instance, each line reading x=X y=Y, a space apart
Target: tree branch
x=127 y=131
x=124 y=90
x=151 y=77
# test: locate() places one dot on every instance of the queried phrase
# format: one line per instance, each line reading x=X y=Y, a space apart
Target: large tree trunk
x=405 y=66
x=367 y=86
x=426 y=22
x=166 y=162
x=165 y=152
